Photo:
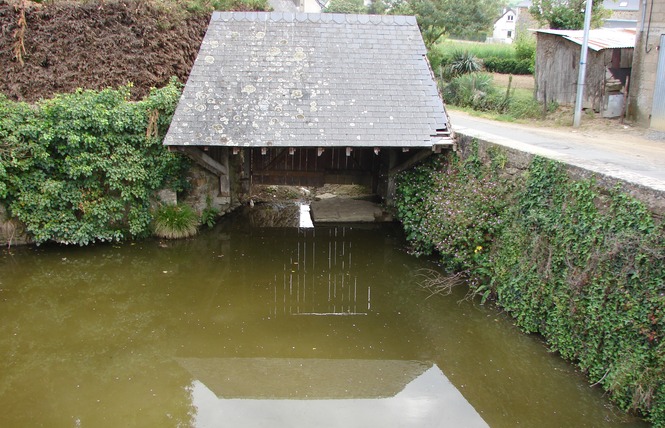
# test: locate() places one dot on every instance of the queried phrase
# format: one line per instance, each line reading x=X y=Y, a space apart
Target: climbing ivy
x=454 y=207
x=583 y=266
x=586 y=269
x=83 y=167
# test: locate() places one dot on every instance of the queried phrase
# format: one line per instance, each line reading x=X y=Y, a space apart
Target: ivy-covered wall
x=84 y=167
x=569 y=257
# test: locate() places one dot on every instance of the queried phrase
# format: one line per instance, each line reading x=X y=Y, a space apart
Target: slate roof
x=310 y=80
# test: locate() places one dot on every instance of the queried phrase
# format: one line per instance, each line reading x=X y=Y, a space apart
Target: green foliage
x=207 y=6
x=580 y=265
x=82 y=167
x=522 y=104
x=345 y=6
x=525 y=46
x=430 y=14
x=439 y=17
x=462 y=62
x=445 y=51
x=518 y=58
x=413 y=193
x=509 y=65
x=175 y=221
x=586 y=270
x=567 y=14
x=475 y=90
x=454 y=208
x=209 y=214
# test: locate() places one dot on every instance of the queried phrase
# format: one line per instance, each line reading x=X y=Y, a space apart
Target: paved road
x=614 y=152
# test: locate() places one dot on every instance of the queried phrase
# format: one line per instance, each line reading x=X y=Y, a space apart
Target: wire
x=647 y=49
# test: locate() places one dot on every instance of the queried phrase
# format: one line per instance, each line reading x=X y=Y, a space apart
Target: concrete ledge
x=344 y=210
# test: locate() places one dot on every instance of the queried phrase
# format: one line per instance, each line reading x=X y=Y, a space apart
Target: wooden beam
x=418 y=157
x=204 y=160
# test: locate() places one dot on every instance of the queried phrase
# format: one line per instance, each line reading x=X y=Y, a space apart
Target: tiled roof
x=282 y=79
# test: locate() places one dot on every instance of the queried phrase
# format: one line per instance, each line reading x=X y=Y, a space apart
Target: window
x=510 y=34
x=510 y=18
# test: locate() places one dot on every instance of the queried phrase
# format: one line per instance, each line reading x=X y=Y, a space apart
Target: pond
x=247 y=326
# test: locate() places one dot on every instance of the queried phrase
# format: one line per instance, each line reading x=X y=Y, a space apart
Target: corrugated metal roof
x=620 y=5
x=599 y=39
x=310 y=80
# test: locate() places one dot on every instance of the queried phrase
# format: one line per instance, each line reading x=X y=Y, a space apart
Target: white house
x=504 y=27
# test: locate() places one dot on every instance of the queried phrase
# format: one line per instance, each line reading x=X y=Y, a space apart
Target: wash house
x=307 y=99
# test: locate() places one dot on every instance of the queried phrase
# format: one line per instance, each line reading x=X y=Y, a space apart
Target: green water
x=247 y=326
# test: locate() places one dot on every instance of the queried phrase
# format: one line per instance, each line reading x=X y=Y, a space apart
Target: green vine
x=580 y=265
x=83 y=167
x=455 y=208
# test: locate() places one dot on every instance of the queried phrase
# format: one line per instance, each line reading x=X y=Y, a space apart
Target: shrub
x=462 y=62
x=209 y=214
x=525 y=46
x=82 y=167
x=175 y=221
x=475 y=90
x=509 y=65
x=205 y=6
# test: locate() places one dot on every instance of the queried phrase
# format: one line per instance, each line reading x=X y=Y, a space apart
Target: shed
x=609 y=61
x=309 y=97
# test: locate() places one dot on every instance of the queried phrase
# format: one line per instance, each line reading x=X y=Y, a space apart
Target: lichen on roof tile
x=302 y=79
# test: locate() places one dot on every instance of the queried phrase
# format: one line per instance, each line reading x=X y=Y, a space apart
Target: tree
x=458 y=18
x=567 y=14
x=345 y=6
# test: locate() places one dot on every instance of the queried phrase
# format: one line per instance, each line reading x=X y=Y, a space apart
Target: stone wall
x=12 y=231
x=645 y=61
x=517 y=162
x=204 y=191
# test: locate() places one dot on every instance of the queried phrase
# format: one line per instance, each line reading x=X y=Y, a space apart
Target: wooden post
x=544 y=99
x=224 y=182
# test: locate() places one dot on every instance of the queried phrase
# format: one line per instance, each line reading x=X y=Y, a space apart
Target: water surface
x=246 y=326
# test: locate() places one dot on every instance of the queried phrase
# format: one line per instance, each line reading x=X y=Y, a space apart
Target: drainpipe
x=583 y=58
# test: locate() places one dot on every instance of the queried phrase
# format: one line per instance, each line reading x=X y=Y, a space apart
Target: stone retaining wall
x=518 y=162
x=12 y=231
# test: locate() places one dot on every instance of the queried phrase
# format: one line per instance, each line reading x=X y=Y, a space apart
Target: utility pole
x=583 y=58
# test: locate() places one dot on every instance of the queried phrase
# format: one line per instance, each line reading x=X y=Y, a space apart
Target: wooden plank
x=204 y=160
x=418 y=157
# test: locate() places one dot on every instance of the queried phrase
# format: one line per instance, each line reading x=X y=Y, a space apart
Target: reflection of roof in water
x=292 y=393
x=276 y=378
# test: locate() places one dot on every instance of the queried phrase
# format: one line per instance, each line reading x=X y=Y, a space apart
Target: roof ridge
x=339 y=18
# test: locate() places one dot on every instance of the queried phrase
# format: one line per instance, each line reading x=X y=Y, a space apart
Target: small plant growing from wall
x=175 y=221
x=210 y=214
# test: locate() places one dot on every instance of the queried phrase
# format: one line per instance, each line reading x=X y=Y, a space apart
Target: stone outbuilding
x=307 y=99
